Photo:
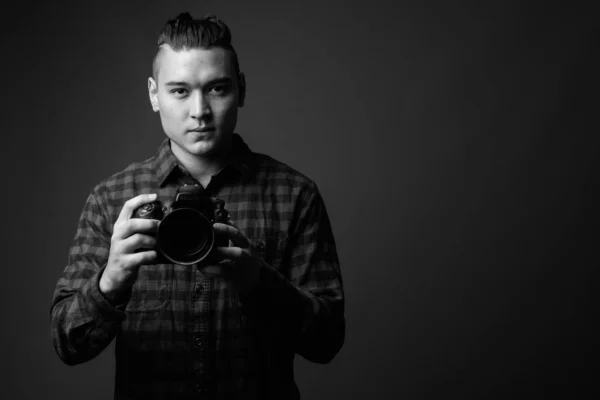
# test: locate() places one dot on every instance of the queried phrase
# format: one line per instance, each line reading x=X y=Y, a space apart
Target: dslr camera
x=185 y=233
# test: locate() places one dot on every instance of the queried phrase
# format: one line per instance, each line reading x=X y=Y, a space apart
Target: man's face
x=197 y=94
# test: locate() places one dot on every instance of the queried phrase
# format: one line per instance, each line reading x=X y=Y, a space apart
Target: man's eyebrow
x=176 y=83
x=215 y=81
x=225 y=79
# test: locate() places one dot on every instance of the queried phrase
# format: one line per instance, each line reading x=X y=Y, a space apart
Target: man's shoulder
x=273 y=172
x=135 y=174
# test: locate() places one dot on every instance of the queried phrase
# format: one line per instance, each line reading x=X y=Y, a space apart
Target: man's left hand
x=237 y=263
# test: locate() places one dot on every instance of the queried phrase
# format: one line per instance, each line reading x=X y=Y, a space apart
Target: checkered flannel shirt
x=182 y=334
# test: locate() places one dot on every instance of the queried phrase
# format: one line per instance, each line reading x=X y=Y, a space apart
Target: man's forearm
x=323 y=329
x=315 y=318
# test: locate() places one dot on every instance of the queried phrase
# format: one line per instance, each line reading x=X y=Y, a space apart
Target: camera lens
x=185 y=236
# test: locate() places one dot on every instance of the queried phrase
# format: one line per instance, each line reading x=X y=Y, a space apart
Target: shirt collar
x=167 y=166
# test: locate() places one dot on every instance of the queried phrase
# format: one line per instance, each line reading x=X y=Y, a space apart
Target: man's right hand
x=129 y=239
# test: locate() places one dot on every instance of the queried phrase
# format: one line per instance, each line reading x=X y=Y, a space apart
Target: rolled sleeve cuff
x=99 y=305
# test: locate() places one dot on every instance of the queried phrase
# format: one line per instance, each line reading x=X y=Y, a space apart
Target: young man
x=228 y=328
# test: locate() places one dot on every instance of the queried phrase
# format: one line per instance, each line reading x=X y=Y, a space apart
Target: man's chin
x=204 y=148
x=201 y=148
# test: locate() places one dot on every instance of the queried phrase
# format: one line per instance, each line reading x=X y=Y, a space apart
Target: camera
x=185 y=233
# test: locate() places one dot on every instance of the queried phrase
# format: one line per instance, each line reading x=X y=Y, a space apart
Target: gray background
x=454 y=144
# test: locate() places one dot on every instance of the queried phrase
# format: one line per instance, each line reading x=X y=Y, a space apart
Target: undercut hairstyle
x=184 y=32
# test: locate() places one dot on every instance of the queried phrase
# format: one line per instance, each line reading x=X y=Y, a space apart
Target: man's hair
x=184 y=32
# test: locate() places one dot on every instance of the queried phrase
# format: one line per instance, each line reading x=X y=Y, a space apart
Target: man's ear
x=242 y=89
x=152 y=93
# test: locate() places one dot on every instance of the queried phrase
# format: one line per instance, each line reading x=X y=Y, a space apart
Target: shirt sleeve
x=310 y=299
x=83 y=321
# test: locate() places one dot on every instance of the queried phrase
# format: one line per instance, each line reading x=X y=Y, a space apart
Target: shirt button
x=198 y=387
x=260 y=245
x=199 y=289
x=198 y=341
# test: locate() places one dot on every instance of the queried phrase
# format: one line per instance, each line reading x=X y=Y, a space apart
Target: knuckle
x=124 y=226
x=134 y=226
x=145 y=240
x=115 y=249
x=117 y=228
x=114 y=264
x=128 y=205
x=138 y=225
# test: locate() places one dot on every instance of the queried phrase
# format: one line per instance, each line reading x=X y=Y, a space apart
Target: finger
x=136 y=242
x=222 y=269
x=142 y=258
x=136 y=225
x=132 y=204
x=232 y=253
x=236 y=236
x=230 y=223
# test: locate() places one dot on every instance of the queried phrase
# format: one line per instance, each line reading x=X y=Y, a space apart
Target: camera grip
x=153 y=210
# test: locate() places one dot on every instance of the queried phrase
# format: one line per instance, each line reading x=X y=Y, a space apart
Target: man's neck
x=199 y=167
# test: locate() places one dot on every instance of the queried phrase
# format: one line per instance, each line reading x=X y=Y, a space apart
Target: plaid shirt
x=182 y=334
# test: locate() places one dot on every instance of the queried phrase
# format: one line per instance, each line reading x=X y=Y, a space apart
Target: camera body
x=185 y=233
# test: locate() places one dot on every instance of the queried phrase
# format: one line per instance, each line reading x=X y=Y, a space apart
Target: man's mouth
x=202 y=129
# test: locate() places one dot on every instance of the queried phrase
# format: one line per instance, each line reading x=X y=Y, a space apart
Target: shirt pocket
x=152 y=288
x=271 y=249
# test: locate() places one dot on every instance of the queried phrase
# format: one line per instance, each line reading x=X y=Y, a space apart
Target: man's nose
x=199 y=106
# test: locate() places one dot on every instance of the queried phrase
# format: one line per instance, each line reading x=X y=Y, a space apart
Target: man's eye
x=219 y=89
x=179 y=91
